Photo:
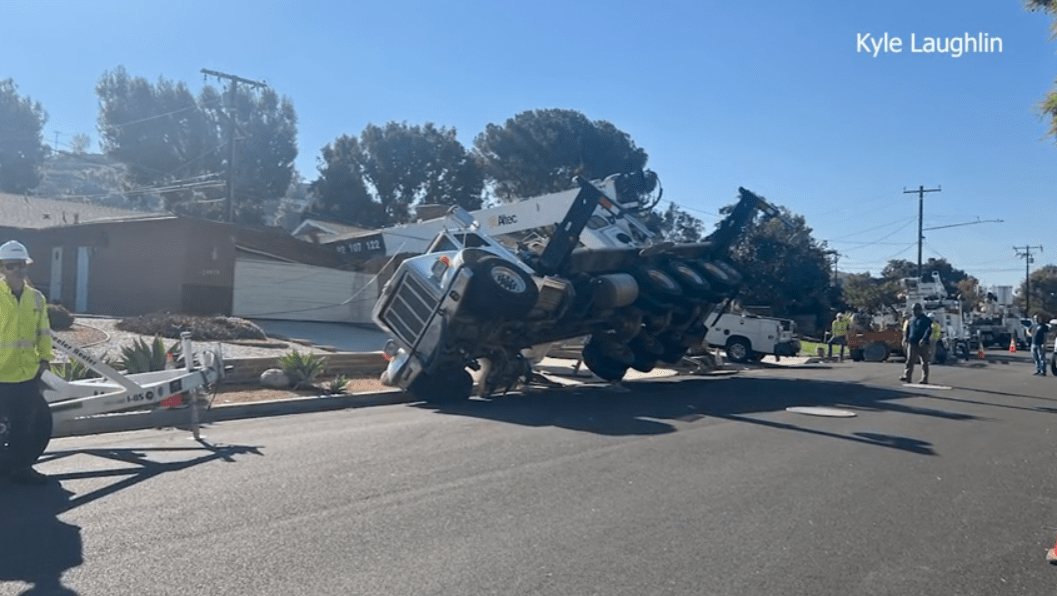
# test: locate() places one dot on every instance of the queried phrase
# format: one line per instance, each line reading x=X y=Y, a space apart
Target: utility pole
x=1028 y=260
x=921 y=216
x=232 y=95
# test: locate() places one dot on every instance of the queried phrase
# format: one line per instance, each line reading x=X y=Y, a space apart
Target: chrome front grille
x=409 y=309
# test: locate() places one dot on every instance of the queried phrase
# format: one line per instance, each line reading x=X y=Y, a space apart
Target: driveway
x=345 y=337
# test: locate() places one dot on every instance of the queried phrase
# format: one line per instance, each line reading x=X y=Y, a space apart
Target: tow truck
x=116 y=391
x=473 y=303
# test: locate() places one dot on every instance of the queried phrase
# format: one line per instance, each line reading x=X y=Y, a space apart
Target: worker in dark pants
x=25 y=353
x=916 y=341
x=839 y=334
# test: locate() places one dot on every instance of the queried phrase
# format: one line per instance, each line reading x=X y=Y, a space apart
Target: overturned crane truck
x=472 y=303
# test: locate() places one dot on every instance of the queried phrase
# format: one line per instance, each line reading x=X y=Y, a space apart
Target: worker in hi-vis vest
x=839 y=333
x=934 y=337
x=25 y=353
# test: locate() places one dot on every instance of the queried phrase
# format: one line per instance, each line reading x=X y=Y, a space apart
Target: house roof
x=35 y=213
x=319 y=230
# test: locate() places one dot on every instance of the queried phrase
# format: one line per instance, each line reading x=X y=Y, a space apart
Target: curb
x=181 y=418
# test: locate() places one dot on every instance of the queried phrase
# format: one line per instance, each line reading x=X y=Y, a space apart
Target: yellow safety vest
x=936 y=331
x=840 y=326
x=25 y=334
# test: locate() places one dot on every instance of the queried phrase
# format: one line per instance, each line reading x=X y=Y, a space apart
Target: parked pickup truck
x=473 y=303
x=747 y=337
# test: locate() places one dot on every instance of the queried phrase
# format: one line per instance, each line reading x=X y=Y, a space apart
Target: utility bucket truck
x=472 y=303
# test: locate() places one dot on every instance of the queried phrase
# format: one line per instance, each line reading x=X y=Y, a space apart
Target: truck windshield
x=443 y=243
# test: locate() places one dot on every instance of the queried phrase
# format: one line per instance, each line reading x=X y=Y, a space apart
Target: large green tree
x=539 y=151
x=863 y=292
x=22 y=148
x=897 y=269
x=784 y=267
x=1043 y=284
x=179 y=143
x=378 y=178
x=1048 y=105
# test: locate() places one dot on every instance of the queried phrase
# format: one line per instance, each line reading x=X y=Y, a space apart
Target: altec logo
x=955 y=47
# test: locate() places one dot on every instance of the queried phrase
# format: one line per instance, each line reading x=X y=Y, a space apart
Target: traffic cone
x=1051 y=555
x=980 y=354
x=1012 y=346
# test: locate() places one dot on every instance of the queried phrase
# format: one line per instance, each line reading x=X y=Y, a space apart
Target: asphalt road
x=702 y=486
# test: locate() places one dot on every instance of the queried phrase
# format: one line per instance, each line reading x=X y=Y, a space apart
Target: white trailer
x=116 y=391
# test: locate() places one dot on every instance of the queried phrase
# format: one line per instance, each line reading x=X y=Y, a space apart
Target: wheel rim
x=738 y=351
x=509 y=280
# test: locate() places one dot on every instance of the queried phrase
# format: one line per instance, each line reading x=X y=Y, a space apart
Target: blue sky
x=772 y=96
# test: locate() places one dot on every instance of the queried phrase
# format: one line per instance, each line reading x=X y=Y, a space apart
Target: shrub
x=301 y=368
x=59 y=318
x=75 y=371
x=171 y=325
x=336 y=385
x=146 y=357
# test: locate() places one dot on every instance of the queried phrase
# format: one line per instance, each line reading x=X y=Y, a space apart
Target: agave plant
x=301 y=368
x=336 y=386
x=142 y=356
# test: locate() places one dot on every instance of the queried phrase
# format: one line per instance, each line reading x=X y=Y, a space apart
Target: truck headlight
x=390 y=350
x=440 y=266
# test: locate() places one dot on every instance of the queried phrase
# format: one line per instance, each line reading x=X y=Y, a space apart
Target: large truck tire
x=720 y=275
x=603 y=366
x=694 y=285
x=875 y=352
x=647 y=350
x=739 y=349
x=500 y=289
x=1053 y=363
x=442 y=387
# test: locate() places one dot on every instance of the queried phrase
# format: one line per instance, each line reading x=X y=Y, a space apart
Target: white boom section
x=520 y=216
x=116 y=391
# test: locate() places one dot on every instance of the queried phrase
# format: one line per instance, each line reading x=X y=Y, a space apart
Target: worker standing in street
x=916 y=340
x=839 y=334
x=1038 y=344
x=25 y=353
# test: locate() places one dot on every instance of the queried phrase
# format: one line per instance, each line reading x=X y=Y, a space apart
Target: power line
x=232 y=91
x=1028 y=260
x=921 y=215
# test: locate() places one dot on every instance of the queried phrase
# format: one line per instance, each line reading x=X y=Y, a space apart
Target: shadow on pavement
x=142 y=468
x=35 y=547
x=652 y=407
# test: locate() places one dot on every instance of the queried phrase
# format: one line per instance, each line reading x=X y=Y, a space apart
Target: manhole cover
x=820 y=411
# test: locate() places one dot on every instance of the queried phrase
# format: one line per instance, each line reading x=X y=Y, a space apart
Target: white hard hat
x=14 y=251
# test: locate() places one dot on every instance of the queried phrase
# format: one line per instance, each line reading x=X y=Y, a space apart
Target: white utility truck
x=748 y=337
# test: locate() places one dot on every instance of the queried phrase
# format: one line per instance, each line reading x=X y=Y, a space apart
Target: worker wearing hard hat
x=839 y=334
x=916 y=340
x=25 y=353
